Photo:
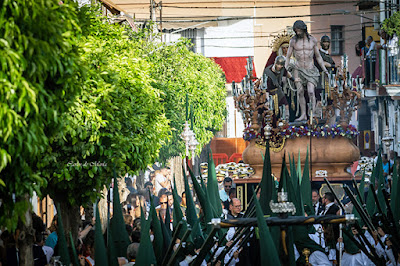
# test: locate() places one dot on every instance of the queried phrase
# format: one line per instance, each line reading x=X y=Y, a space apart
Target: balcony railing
x=372 y=62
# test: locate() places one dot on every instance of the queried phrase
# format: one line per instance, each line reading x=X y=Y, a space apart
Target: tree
x=177 y=71
x=391 y=25
x=117 y=121
x=39 y=75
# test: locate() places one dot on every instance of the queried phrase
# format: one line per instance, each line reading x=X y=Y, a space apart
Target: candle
x=326 y=99
x=283 y=113
x=332 y=81
x=322 y=98
x=264 y=87
x=271 y=103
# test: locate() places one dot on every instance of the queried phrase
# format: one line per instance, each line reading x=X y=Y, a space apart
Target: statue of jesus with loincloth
x=305 y=73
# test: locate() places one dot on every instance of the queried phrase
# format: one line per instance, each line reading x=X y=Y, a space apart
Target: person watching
x=235 y=208
x=223 y=193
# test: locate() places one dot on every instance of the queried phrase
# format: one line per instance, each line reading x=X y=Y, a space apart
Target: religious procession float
x=271 y=106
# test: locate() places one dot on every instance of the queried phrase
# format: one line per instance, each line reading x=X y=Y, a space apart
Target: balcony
x=373 y=73
x=367 y=4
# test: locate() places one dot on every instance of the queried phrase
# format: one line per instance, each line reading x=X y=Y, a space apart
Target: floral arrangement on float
x=333 y=131
x=250 y=133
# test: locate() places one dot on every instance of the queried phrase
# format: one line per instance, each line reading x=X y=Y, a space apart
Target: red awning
x=234 y=67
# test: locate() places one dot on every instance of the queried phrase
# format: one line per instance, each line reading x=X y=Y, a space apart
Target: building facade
x=238 y=29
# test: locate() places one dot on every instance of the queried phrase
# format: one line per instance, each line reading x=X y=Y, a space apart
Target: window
x=191 y=35
x=337 y=40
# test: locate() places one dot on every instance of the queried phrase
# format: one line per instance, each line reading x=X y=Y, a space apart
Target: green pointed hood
x=158 y=241
x=145 y=254
x=395 y=196
x=205 y=204
x=212 y=186
x=381 y=185
x=267 y=184
x=62 y=242
x=305 y=188
x=191 y=215
x=75 y=261
x=166 y=231
x=302 y=240
x=293 y=174
x=177 y=211
x=361 y=191
x=299 y=166
x=269 y=254
x=100 y=256
x=370 y=202
x=349 y=245
x=111 y=251
x=117 y=224
x=361 y=187
x=168 y=220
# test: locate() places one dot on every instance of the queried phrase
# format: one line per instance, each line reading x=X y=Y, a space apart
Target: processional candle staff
x=349 y=81
x=186 y=136
x=264 y=84
x=192 y=147
x=283 y=113
x=252 y=91
x=271 y=102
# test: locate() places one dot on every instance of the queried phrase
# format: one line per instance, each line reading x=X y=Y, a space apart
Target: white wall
x=229 y=39
x=233 y=122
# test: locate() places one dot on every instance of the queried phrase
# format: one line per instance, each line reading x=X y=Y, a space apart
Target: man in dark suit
x=330 y=206
x=317 y=204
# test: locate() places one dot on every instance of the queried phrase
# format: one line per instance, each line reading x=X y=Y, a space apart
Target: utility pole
x=160 y=7
x=382 y=52
x=153 y=26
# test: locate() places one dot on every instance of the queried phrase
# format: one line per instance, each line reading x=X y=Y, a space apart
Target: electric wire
x=219 y=19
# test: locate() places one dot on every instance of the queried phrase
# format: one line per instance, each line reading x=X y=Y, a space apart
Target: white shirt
x=90 y=260
x=393 y=43
x=222 y=195
x=328 y=206
x=159 y=178
x=319 y=258
x=316 y=208
x=354 y=260
x=371 y=47
x=324 y=51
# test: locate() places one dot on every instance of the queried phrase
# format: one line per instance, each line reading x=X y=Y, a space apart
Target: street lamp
x=191 y=143
x=387 y=139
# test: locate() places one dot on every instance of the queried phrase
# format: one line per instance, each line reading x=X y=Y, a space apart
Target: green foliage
x=39 y=75
x=391 y=25
x=176 y=72
x=117 y=120
x=80 y=95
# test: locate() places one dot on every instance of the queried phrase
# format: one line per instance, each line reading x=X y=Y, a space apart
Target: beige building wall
x=352 y=23
x=265 y=29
